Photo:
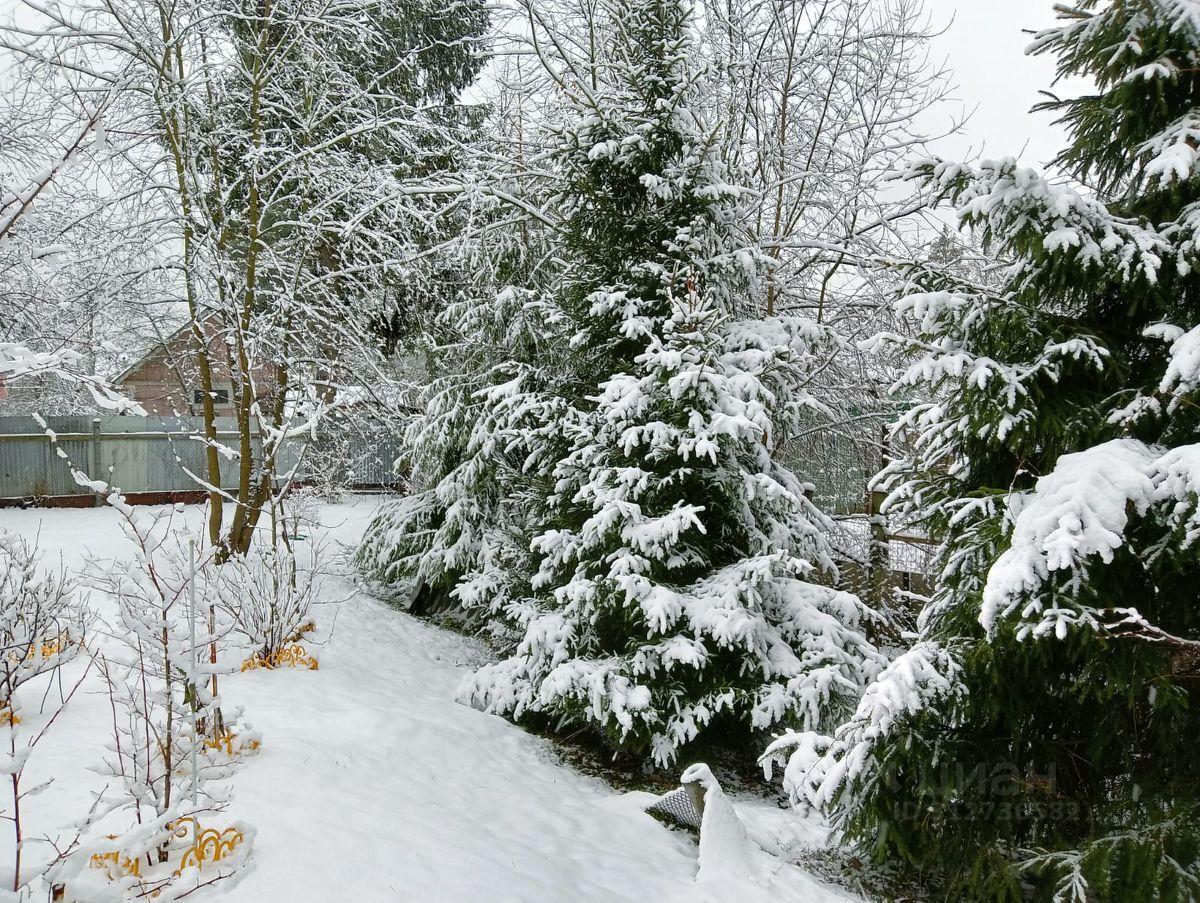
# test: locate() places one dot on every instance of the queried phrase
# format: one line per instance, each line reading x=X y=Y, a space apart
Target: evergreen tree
x=608 y=494
x=649 y=565
x=356 y=107
x=464 y=465
x=427 y=53
x=1039 y=738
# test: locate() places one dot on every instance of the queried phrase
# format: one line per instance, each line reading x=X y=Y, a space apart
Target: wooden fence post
x=880 y=551
x=47 y=468
x=880 y=555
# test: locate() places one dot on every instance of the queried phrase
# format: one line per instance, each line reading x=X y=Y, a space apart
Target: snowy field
x=374 y=785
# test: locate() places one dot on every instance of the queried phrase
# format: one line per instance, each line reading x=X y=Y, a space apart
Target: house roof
x=156 y=348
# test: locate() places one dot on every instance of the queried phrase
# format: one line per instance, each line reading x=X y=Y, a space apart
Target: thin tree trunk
x=175 y=133
x=245 y=518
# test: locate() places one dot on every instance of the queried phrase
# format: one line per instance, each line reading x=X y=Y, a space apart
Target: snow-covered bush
x=166 y=771
x=297 y=514
x=42 y=619
x=269 y=594
x=42 y=629
x=1038 y=740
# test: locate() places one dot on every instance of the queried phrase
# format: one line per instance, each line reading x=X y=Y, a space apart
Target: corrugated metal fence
x=153 y=455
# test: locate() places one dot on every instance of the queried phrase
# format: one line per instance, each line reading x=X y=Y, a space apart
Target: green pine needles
x=1039 y=739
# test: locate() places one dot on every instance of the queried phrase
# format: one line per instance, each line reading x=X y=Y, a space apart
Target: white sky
x=983 y=45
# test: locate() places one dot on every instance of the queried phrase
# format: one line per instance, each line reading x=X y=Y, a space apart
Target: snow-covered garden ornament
x=162 y=863
x=293 y=656
x=234 y=738
x=205 y=845
x=116 y=863
x=684 y=806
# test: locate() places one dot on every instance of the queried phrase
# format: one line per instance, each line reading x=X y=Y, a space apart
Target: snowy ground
x=374 y=785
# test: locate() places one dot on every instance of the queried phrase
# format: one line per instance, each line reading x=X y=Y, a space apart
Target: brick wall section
x=165 y=381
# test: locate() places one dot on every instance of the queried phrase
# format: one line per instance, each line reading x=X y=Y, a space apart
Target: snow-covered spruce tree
x=1039 y=739
x=670 y=553
x=483 y=357
x=467 y=451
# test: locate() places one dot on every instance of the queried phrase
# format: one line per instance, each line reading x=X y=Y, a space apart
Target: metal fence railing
x=164 y=456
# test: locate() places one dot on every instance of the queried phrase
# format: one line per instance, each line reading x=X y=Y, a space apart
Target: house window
x=219 y=396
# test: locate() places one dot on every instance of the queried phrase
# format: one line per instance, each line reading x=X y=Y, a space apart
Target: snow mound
x=732 y=865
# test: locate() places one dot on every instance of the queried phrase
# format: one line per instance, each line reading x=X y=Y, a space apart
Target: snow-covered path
x=462 y=805
x=373 y=785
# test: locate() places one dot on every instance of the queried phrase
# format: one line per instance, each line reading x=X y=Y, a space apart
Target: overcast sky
x=984 y=46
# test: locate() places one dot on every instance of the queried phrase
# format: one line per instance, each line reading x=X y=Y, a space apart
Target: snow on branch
x=1173 y=151
x=819 y=769
x=1177 y=488
x=18 y=361
x=1178 y=15
x=1012 y=201
x=1183 y=369
x=1078 y=511
x=1078 y=515
x=947 y=328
